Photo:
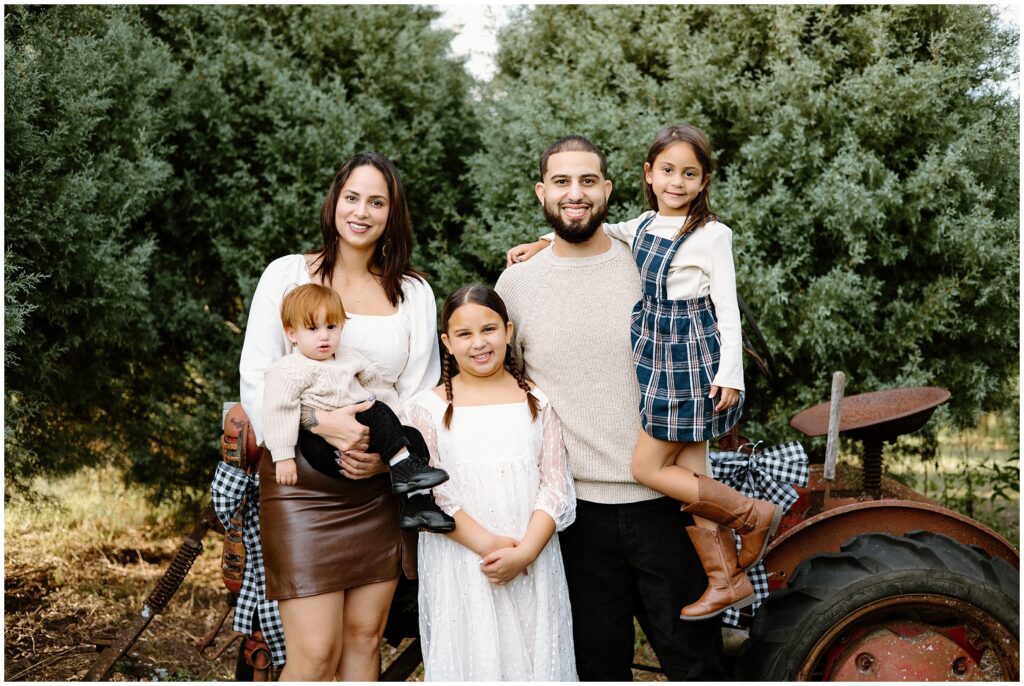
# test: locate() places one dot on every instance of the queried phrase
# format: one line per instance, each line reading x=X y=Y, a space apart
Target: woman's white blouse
x=402 y=345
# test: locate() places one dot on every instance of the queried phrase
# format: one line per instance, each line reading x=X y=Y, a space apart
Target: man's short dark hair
x=572 y=144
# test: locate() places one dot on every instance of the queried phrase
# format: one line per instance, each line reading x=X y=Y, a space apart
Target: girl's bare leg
x=669 y=468
x=693 y=458
x=366 y=613
x=313 y=636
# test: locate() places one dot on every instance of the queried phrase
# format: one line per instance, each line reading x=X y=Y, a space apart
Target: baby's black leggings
x=387 y=436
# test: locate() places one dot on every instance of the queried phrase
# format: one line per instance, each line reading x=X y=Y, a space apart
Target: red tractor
x=871 y=581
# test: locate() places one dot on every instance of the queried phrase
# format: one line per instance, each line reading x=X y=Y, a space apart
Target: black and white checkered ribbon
x=769 y=474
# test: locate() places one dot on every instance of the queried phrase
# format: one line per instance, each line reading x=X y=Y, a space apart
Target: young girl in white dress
x=493 y=600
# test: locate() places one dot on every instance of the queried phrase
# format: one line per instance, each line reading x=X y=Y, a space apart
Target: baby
x=320 y=376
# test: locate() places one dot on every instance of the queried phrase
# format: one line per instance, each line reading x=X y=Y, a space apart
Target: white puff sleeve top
x=403 y=346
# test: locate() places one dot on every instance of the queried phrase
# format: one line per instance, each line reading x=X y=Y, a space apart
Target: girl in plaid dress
x=687 y=348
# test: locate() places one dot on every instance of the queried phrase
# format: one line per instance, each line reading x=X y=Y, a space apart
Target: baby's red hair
x=303 y=305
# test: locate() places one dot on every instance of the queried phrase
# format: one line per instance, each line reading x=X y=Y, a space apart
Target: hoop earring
x=384 y=250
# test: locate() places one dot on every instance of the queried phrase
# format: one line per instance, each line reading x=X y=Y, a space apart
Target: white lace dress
x=503 y=467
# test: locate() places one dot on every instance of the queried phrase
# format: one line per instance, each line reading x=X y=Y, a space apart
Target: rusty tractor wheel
x=918 y=607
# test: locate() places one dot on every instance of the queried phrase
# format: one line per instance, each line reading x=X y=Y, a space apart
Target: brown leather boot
x=728 y=585
x=754 y=520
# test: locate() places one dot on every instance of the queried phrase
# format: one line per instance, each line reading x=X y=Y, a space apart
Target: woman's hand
x=524 y=251
x=728 y=397
x=505 y=564
x=355 y=464
x=340 y=428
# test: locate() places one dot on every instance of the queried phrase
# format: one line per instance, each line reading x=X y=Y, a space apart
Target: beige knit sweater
x=571 y=320
x=295 y=380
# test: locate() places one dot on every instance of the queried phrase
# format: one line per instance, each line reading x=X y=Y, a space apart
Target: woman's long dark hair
x=700 y=209
x=391 y=260
x=478 y=294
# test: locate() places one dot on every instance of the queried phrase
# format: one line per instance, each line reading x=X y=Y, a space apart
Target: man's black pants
x=632 y=560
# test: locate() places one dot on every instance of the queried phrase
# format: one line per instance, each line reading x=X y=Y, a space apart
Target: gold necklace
x=366 y=281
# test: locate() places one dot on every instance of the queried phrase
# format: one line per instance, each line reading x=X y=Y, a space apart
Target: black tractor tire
x=825 y=589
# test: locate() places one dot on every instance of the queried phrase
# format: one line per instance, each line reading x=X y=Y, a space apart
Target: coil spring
x=174 y=575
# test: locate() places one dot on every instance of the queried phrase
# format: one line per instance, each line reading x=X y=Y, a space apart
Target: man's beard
x=577 y=231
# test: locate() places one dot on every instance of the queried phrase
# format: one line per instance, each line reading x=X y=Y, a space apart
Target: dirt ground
x=57 y=609
x=59 y=603
x=54 y=612
x=78 y=571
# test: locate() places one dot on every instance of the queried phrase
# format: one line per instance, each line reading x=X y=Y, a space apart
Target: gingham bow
x=766 y=473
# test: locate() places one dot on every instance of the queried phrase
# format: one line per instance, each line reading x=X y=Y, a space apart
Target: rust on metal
x=846 y=489
x=872 y=462
x=874 y=418
x=827 y=531
x=257 y=654
x=238 y=442
x=215 y=655
x=877 y=643
x=891 y=412
x=887 y=655
x=210 y=520
x=206 y=641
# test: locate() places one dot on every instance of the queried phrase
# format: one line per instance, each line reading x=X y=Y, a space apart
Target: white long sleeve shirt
x=702 y=266
x=402 y=346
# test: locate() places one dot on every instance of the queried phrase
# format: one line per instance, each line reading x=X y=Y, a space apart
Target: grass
x=78 y=564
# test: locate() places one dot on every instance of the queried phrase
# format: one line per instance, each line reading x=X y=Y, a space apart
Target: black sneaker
x=421 y=512
x=407 y=476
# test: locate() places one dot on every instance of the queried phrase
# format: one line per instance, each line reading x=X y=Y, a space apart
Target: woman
x=332 y=547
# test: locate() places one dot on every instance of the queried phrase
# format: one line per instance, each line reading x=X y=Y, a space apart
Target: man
x=627 y=553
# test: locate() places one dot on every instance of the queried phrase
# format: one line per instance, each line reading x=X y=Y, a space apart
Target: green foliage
x=982 y=475
x=962 y=489
x=867 y=162
x=975 y=471
x=157 y=159
x=85 y=160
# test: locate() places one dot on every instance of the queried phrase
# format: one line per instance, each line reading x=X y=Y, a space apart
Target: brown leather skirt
x=323 y=534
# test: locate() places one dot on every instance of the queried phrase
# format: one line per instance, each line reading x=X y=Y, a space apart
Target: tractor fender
x=828 y=530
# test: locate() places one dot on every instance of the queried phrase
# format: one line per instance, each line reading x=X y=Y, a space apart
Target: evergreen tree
x=85 y=161
x=157 y=159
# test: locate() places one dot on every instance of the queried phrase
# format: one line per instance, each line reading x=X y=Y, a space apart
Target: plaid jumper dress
x=676 y=349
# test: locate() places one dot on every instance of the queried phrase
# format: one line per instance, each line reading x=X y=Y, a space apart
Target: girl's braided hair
x=478 y=294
